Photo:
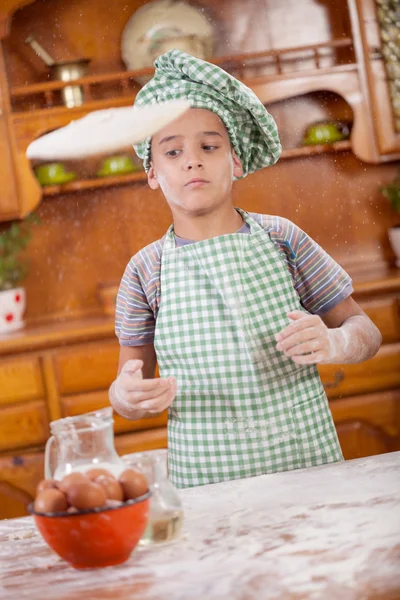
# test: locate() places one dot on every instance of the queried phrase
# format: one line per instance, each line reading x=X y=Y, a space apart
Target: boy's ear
x=152 y=178
x=237 y=165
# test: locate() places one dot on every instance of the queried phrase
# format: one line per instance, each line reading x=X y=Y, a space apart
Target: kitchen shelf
x=281 y=63
x=98 y=182
x=317 y=149
x=141 y=177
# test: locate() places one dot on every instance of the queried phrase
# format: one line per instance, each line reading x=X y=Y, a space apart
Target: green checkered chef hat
x=252 y=130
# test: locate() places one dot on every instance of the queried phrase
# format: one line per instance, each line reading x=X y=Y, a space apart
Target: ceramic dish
x=162 y=25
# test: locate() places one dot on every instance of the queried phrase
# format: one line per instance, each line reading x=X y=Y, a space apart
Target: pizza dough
x=106 y=131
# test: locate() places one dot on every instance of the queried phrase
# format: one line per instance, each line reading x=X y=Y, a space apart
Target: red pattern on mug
x=17 y=298
x=9 y=317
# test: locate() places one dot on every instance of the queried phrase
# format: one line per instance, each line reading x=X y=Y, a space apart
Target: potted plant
x=392 y=193
x=13 y=270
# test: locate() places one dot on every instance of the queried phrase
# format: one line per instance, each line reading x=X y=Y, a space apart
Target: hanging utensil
x=63 y=71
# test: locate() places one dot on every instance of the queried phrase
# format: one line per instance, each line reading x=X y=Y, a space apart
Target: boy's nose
x=193 y=161
x=194 y=164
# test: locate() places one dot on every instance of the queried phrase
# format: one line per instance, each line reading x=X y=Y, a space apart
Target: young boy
x=236 y=308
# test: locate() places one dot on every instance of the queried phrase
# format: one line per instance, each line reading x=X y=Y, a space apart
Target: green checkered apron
x=242 y=408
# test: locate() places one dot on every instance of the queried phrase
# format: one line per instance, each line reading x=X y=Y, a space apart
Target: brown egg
x=93 y=474
x=50 y=501
x=113 y=503
x=46 y=484
x=72 y=479
x=134 y=484
x=111 y=487
x=86 y=495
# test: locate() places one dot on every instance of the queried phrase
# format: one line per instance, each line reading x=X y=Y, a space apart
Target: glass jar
x=81 y=443
x=166 y=513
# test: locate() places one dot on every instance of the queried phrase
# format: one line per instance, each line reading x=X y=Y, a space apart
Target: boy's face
x=193 y=163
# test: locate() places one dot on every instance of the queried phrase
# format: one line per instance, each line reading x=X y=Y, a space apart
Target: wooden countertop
x=57 y=333
x=328 y=532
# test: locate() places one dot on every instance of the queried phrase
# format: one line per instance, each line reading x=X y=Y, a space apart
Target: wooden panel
x=359 y=439
x=368 y=424
x=380 y=410
x=142 y=440
x=380 y=373
x=23 y=425
x=19 y=476
x=76 y=405
x=20 y=380
x=84 y=368
x=385 y=313
x=383 y=115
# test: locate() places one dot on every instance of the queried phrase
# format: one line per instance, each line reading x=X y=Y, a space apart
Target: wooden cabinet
x=30 y=104
x=50 y=373
x=368 y=424
x=380 y=77
x=20 y=192
x=365 y=398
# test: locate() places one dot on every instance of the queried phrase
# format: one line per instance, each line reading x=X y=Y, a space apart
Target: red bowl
x=95 y=538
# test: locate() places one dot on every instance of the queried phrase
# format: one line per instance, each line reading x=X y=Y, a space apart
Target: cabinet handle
x=338 y=378
x=375 y=53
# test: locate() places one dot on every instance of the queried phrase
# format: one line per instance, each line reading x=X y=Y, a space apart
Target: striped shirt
x=319 y=281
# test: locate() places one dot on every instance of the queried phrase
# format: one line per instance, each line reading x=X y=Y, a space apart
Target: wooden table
x=327 y=533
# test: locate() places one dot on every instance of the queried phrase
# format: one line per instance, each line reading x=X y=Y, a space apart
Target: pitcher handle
x=47 y=452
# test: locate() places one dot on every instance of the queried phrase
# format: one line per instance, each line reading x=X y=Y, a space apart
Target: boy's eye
x=173 y=153
x=206 y=147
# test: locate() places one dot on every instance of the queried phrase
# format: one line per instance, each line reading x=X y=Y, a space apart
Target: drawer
x=380 y=373
x=368 y=424
x=76 y=405
x=20 y=379
x=385 y=313
x=141 y=441
x=86 y=368
x=23 y=425
x=381 y=411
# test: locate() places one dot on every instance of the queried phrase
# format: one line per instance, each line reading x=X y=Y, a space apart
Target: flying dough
x=107 y=130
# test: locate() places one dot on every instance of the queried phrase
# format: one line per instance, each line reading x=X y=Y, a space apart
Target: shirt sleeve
x=319 y=280
x=134 y=320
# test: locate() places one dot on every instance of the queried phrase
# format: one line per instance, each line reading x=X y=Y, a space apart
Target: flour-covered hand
x=131 y=393
x=307 y=340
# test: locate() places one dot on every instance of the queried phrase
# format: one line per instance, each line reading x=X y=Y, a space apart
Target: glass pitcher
x=80 y=443
x=166 y=513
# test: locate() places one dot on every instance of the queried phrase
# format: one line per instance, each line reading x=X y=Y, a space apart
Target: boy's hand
x=307 y=340
x=133 y=395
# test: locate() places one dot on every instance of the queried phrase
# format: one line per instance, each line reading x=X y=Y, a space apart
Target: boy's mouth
x=196 y=182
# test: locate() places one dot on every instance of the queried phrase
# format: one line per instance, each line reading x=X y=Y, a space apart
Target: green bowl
x=53 y=174
x=117 y=165
x=107 y=173
x=323 y=133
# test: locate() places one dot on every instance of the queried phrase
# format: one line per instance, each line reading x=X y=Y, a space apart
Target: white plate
x=162 y=25
x=106 y=130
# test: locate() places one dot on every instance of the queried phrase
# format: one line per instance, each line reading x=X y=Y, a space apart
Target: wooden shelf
x=317 y=149
x=141 y=177
x=98 y=182
x=281 y=61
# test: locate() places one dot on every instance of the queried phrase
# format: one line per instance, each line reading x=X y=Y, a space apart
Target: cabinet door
x=19 y=476
x=368 y=424
x=20 y=191
x=379 y=73
x=379 y=373
x=86 y=367
x=9 y=196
